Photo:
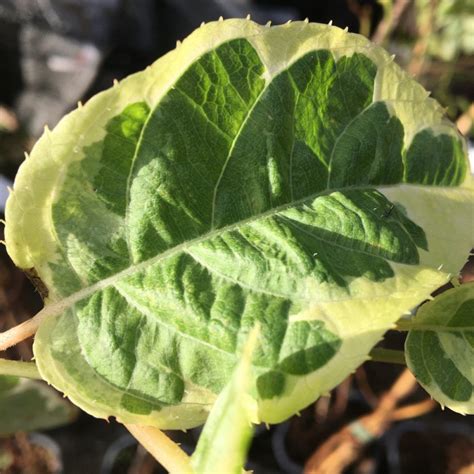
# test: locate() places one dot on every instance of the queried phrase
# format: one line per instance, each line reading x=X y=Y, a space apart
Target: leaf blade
x=440 y=348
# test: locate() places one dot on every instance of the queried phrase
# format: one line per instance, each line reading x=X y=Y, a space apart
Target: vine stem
x=28 y=328
x=390 y=356
x=390 y=21
x=162 y=448
x=18 y=333
x=19 y=369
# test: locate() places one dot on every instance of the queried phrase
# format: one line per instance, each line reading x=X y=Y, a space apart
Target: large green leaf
x=290 y=176
x=440 y=348
x=27 y=405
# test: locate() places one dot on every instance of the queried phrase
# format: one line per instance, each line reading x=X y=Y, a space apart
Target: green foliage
x=28 y=405
x=291 y=177
x=226 y=436
x=440 y=348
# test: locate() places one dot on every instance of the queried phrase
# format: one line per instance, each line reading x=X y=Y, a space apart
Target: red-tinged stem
x=162 y=448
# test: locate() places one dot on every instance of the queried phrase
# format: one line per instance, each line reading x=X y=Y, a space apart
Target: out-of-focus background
x=54 y=53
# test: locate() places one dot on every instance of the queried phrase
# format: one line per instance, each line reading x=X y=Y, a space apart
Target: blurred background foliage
x=57 y=52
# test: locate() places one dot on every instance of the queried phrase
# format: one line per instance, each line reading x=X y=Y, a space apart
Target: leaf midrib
x=59 y=306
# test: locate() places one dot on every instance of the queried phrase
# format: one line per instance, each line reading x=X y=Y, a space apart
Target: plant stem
x=18 y=333
x=28 y=328
x=390 y=20
x=19 y=369
x=390 y=356
x=425 y=30
x=162 y=448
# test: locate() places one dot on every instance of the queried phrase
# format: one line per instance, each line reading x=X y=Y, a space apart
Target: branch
x=466 y=120
x=345 y=446
x=28 y=328
x=19 y=369
x=425 y=29
x=390 y=356
x=412 y=411
x=390 y=21
x=162 y=448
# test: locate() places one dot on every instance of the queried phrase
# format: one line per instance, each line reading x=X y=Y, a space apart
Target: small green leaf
x=28 y=405
x=440 y=348
x=290 y=176
x=226 y=436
